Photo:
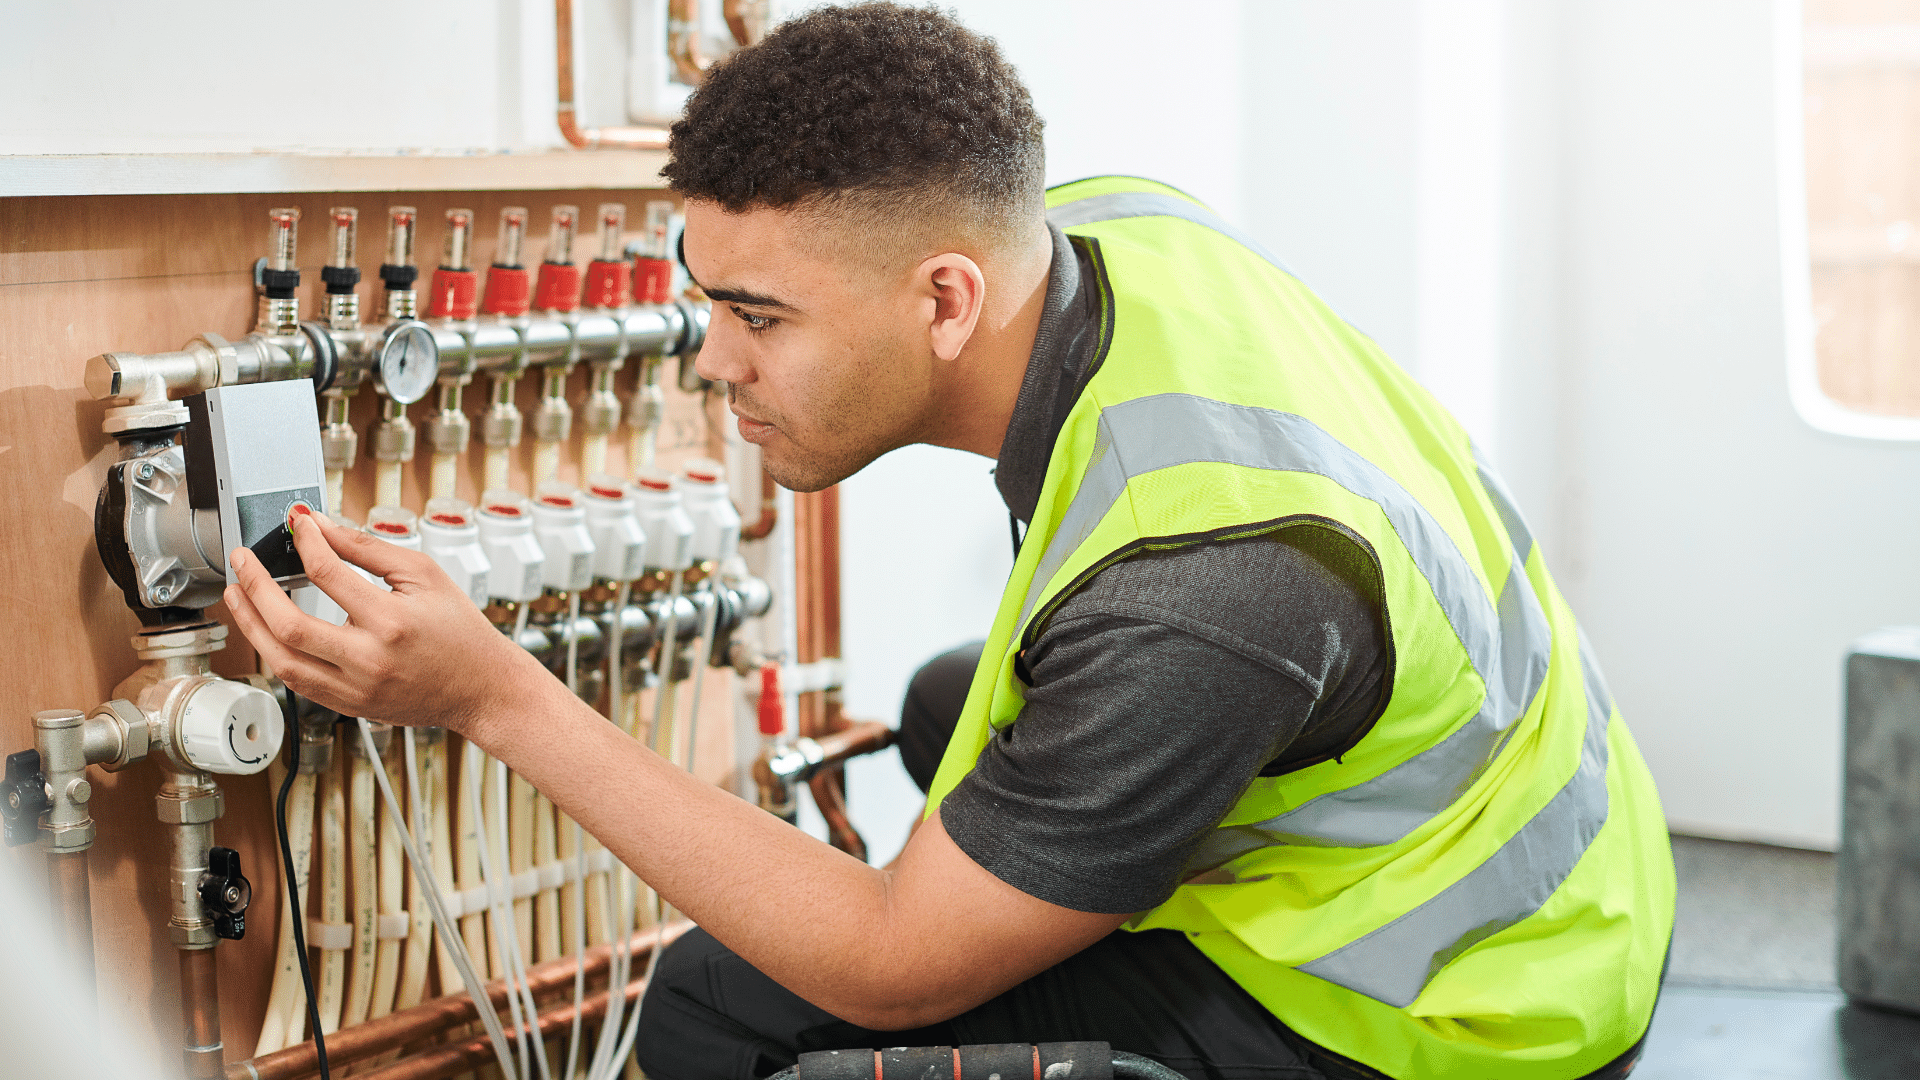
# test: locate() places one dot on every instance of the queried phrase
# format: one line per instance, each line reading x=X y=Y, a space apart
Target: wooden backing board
x=80 y=275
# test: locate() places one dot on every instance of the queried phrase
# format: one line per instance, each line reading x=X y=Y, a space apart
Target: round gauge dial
x=409 y=361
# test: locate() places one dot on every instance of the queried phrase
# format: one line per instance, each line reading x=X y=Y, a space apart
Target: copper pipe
x=746 y=20
x=452 y=1059
x=200 y=1006
x=72 y=895
x=690 y=64
x=830 y=795
x=606 y=138
x=855 y=739
x=432 y=1018
x=769 y=511
x=828 y=526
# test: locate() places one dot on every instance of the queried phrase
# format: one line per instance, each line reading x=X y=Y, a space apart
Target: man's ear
x=958 y=290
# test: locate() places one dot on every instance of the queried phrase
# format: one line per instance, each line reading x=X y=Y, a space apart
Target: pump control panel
x=253 y=454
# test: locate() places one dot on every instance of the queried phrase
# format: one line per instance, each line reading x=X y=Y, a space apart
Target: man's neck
x=983 y=384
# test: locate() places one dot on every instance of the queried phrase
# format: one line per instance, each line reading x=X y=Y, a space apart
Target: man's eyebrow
x=741 y=296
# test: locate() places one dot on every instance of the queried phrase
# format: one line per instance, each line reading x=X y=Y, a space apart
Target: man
x=1283 y=757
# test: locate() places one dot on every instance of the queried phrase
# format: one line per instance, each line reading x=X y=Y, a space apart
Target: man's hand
x=421 y=654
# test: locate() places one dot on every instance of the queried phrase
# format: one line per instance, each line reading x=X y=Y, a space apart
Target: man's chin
x=806 y=476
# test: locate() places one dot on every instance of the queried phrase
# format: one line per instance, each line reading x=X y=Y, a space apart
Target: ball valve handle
x=226 y=892
x=23 y=798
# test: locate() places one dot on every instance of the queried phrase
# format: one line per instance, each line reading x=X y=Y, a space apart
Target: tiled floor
x=1750 y=989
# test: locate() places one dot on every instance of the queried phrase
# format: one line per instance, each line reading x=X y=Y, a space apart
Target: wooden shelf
x=182 y=174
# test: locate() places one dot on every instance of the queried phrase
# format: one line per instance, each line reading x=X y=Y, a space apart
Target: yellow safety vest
x=1482 y=885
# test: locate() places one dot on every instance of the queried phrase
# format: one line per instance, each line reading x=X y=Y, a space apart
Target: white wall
x=435 y=76
x=1728 y=553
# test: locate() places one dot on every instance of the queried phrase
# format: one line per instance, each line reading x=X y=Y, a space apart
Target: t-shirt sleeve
x=1159 y=692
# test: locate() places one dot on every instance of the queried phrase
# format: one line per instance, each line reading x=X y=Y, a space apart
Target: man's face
x=826 y=356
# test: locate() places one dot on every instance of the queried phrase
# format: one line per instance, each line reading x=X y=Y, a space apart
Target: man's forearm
x=811 y=917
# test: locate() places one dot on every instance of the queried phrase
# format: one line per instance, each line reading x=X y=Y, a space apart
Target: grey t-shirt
x=1167 y=683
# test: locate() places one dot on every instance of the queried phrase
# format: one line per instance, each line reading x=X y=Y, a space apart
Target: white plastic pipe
x=285 y=1022
x=363 y=855
x=437 y=908
x=330 y=983
x=392 y=859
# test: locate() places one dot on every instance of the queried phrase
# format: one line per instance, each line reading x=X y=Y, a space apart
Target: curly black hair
x=876 y=106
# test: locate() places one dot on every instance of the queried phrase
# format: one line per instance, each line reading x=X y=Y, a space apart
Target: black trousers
x=709 y=1015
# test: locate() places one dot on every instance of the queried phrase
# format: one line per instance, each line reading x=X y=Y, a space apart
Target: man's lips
x=754 y=431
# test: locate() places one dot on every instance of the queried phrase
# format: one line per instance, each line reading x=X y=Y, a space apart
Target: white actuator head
x=449 y=536
x=619 y=543
x=230 y=727
x=716 y=524
x=397 y=525
x=669 y=529
x=506 y=532
x=560 y=522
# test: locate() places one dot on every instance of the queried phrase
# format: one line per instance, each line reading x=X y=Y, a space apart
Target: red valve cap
x=455 y=294
x=508 y=291
x=558 y=288
x=608 y=284
x=652 y=280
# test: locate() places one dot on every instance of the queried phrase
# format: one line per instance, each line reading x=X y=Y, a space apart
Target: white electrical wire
x=450 y=938
x=666 y=667
x=501 y=908
x=573 y=642
x=616 y=704
x=516 y=962
x=707 y=619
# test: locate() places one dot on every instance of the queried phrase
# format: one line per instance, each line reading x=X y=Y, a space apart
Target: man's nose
x=721 y=358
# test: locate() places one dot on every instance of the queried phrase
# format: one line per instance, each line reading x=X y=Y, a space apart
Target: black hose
x=1136 y=1067
x=1126 y=1066
x=291 y=710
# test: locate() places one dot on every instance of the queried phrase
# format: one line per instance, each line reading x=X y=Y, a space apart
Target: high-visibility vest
x=1481 y=885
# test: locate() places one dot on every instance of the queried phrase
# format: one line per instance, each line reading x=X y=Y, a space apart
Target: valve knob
x=23 y=797
x=226 y=893
x=231 y=727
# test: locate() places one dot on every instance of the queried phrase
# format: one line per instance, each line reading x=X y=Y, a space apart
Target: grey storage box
x=1879 y=896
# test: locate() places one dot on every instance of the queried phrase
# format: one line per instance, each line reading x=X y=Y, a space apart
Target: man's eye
x=755 y=323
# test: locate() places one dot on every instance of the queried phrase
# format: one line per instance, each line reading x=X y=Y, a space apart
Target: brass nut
x=189 y=810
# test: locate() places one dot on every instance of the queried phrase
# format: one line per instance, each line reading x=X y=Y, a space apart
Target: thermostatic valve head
x=450 y=536
x=228 y=727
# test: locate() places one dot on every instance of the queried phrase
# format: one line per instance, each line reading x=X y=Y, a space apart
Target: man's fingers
x=368 y=552
x=280 y=619
x=305 y=675
x=319 y=542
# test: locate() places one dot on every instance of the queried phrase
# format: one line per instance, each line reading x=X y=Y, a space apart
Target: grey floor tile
x=1750 y=915
x=1704 y=1033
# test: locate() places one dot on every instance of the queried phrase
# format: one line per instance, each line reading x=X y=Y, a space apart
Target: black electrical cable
x=292 y=712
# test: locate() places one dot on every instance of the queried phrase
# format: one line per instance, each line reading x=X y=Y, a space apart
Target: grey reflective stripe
x=1507 y=645
x=1394 y=963
x=1132 y=204
x=1504 y=505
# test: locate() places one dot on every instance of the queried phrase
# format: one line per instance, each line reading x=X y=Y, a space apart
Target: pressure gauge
x=409 y=361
